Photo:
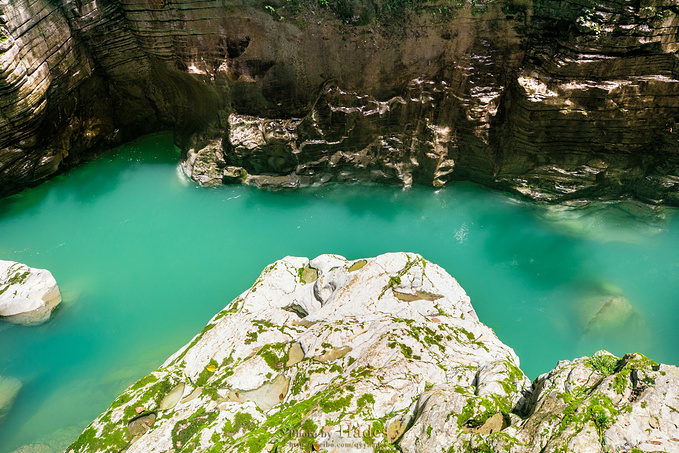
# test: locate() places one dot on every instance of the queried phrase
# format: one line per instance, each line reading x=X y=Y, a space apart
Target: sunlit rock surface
x=553 y=99
x=27 y=295
x=367 y=355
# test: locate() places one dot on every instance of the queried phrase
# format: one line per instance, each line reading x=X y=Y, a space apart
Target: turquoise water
x=144 y=258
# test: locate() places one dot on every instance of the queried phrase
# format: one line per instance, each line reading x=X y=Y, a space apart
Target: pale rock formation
x=27 y=295
x=9 y=389
x=374 y=354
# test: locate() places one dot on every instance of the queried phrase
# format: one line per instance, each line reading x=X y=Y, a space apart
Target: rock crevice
x=556 y=100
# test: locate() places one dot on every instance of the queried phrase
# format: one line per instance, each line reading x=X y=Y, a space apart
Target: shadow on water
x=544 y=257
x=361 y=200
x=90 y=181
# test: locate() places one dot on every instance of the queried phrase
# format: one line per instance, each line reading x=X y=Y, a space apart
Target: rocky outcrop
x=555 y=99
x=587 y=113
x=592 y=111
x=27 y=295
x=379 y=354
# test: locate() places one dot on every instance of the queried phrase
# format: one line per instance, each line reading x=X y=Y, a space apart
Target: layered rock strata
x=557 y=100
x=380 y=354
x=27 y=295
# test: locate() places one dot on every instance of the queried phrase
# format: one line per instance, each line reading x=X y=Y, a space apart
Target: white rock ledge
x=381 y=354
x=27 y=296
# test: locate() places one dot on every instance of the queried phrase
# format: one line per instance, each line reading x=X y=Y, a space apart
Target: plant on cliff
x=604 y=363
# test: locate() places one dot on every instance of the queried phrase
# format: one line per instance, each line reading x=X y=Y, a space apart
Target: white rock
x=27 y=296
x=346 y=357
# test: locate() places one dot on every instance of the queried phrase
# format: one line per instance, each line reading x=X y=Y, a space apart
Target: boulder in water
x=27 y=295
x=9 y=389
x=606 y=309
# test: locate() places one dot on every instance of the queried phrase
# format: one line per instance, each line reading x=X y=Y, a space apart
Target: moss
x=298 y=383
x=242 y=421
x=263 y=324
x=184 y=431
x=115 y=439
x=478 y=410
x=470 y=336
x=363 y=400
x=250 y=337
x=275 y=355
x=280 y=427
x=16 y=279
x=328 y=406
x=584 y=406
x=207 y=373
x=406 y=350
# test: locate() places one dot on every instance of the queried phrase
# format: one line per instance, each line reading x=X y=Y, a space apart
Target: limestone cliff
x=377 y=355
x=554 y=99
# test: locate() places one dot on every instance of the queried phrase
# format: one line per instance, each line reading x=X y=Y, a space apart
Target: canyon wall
x=556 y=100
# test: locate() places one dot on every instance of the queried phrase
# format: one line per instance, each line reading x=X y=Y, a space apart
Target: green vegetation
x=329 y=406
x=357 y=12
x=298 y=383
x=363 y=400
x=207 y=373
x=241 y=422
x=275 y=355
x=185 y=430
x=478 y=410
x=18 y=277
x=603 y=363
x=116 y=440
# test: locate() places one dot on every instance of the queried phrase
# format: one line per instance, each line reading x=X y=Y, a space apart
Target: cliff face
x=556 y=100
x=383 y=354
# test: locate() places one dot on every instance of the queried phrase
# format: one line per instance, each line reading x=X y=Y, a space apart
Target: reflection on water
x=144 y=258
x=624 y=221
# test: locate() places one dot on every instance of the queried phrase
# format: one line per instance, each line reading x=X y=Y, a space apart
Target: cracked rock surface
x=380 y=354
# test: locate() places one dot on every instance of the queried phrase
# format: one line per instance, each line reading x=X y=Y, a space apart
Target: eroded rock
x=366 y=370
x=360 y=351
x=27 y=295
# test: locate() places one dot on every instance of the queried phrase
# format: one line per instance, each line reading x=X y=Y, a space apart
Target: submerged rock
x=9 y=389
x=605 y=309
x=27 y=296
x=356 y=366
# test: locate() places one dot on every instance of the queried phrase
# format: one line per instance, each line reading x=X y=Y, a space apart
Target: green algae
x=185 y=431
